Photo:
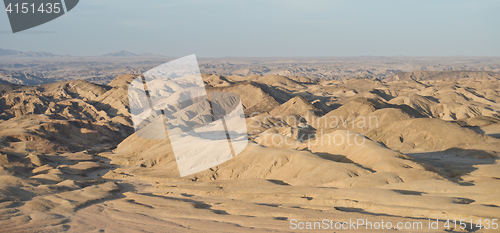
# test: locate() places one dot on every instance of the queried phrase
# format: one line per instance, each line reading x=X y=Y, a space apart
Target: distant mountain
x=125 y=53
x=38 y=54
x=150 y=55
x=122 y=53
x=9 y=52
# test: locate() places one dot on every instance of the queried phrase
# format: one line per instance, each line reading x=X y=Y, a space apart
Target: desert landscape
x=412 y=142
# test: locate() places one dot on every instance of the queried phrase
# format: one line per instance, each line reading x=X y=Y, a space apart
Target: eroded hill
x=400 y=150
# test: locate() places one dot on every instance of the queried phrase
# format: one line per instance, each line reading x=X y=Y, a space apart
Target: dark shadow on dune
x=334 y=106
x=409 y=192
x=340 y=159
x=196 y=204
x=274 y=92
x=495 y=135
x=105 y=107
x=382 y=94
x=141 y=204
x=334 y=157
x=491 y=205
x=350 y=209
x=279 y=182
x=270 y=205
x=16 y=163
x=456 y=162
x=118 y=194
x=478 y=129
x=71 y=137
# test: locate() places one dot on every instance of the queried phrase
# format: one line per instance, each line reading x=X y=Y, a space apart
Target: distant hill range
x=9 y=52
x=125 y=53
x=122 y=53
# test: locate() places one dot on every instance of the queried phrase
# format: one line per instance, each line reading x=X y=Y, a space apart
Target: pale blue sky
x=253 y=28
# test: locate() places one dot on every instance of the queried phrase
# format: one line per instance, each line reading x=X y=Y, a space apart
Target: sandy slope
x=69 y=160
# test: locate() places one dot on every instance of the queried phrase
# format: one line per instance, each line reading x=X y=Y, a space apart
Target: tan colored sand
x=69 y=160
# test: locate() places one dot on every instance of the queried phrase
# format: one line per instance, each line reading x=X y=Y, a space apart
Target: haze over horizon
x=125 y=53
x=267 y=29
x=294 y=115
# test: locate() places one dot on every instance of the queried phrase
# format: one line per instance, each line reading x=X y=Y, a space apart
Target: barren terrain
x=33 y=70
x=390 y=142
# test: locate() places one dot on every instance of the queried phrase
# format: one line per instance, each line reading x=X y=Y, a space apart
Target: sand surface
x=415 y=147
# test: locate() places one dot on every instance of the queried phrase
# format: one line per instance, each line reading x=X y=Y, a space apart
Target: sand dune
x=418 y=146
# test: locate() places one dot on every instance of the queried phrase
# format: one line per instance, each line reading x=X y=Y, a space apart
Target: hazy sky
x=268 y=28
